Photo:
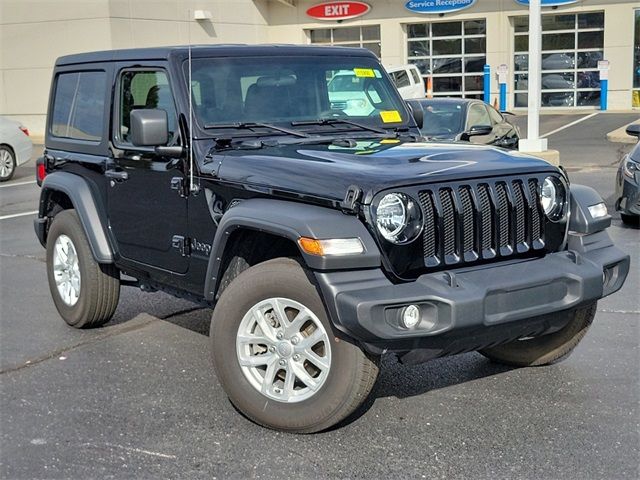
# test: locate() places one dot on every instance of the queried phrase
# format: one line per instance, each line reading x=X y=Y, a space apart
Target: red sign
x=338 y=10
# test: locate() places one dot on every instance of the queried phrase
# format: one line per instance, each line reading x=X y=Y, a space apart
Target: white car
x=15 y=147
x=346 y=93
x=408 y=81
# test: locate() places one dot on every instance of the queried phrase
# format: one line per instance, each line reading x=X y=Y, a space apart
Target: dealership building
x=450 y=41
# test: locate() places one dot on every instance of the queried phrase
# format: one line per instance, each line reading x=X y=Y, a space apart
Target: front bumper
x=470 y=309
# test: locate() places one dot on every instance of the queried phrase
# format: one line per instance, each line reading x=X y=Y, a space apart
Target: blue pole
x=503 y=97
x=604 y=89
x=487 y=83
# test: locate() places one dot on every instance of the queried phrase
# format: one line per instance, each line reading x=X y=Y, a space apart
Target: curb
x=549 y=156
x=619 y=135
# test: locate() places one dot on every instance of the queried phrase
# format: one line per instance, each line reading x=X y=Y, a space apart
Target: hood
x=327 y=171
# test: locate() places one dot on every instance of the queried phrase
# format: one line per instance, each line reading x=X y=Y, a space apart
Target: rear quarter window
x=401 y=79
x=78 y=106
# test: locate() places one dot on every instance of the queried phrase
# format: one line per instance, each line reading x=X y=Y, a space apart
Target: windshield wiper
x=249 y=125
x=331 y=121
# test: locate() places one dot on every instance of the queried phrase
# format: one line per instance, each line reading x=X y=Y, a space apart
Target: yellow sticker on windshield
x=390 y=116
x=364 y=72
x=386 y=141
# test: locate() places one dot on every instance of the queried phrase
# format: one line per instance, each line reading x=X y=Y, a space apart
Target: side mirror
x=416 y=111
x=476 y=130
x=149 y=127
x=634 y=130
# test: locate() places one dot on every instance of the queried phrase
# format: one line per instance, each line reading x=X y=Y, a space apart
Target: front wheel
x=276 y=356
x=85 y=292
x=547 y=349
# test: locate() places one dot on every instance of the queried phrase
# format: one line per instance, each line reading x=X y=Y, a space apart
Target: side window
x=496 y=117
x=144 y=89
x=416 y=75
x=78 y=106
x=477 y=115
x=401 y=79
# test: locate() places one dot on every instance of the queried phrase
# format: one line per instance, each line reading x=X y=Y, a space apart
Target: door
x=147 y=213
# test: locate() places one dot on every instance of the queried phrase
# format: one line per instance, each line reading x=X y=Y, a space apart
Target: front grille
x=481 y=221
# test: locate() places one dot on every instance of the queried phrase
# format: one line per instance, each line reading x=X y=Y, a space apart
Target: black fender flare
x=581 y=221
x=79 y=192
x=292 y=220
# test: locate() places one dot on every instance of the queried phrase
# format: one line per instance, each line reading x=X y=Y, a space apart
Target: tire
x=94 y=301
x=7 y=163
x=630 y=220
x=343 y=385
x=547 y=349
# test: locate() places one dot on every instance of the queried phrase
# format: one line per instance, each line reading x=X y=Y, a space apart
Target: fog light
x=410 y=316
x=598 y=210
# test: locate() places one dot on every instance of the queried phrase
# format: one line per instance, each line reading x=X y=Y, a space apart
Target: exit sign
x=338 y=10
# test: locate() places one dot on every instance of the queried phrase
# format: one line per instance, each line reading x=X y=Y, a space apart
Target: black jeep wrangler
x=287 y=188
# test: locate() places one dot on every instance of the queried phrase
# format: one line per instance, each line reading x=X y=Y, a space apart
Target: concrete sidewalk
x=619 y=135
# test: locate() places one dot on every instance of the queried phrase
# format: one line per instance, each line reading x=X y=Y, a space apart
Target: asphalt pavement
x=139 y=399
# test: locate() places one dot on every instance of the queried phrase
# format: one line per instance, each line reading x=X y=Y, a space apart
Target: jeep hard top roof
x=198 y=51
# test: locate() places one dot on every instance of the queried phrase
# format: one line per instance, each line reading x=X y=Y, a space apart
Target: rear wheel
x=7 y=163
x=547 y=349
x=84 y=292
x=276 y=356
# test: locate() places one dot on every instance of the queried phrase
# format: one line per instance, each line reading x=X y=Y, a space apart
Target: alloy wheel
x=6 y=164
x=283 y=350
x=66 y=270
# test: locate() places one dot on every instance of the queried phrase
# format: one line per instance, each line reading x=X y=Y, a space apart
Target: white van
x=408 y=80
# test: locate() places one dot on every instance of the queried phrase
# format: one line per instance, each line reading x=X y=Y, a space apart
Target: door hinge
x=182 y=244
x=179 y=184
x=351 y=202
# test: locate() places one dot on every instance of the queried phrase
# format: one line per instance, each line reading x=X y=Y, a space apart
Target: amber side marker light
x=331 y=246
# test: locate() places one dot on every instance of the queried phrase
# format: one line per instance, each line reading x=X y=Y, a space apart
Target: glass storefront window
x=572 y=44
x=452 y=53
x=366 y=37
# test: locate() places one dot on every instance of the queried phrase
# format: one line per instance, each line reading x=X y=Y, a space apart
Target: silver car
x=15 y=147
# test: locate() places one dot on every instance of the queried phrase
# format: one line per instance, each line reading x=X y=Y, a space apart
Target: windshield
x=293 y=89
x=441 y=119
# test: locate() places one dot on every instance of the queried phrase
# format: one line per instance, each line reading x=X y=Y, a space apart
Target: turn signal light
x=598 y=210
x=331 y=246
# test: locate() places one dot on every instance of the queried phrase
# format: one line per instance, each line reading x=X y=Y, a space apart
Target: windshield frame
x=407 y=120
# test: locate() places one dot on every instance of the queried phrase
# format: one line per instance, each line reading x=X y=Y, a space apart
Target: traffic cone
x=429 y=87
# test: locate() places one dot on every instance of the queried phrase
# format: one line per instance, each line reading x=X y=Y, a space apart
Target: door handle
x=118 y=175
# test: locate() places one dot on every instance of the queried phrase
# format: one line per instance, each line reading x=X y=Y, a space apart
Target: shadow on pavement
x=403 y=381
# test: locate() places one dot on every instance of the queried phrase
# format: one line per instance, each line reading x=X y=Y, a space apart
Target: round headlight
x=398 y=218
x=552 y=197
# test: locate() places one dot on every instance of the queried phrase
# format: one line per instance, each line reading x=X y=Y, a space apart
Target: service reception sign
x=437 y=6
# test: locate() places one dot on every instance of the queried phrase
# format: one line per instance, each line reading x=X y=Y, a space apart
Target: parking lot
x=138 y=398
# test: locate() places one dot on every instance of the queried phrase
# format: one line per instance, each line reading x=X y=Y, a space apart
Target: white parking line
x=17 y=184
x=14 y=215
x=570 y=124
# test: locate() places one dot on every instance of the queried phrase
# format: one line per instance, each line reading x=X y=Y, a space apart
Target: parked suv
x=408 y=81
x=320 y=239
